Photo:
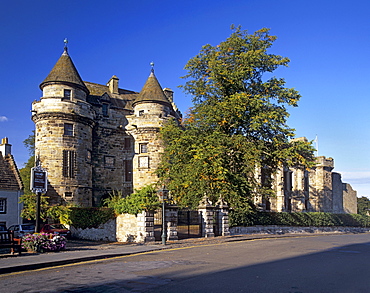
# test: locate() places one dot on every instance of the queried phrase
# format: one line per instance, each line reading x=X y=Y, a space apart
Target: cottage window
x=68 y=129
x=69 y=163
x=68 y=195
x=141 y=112
x=3 y=205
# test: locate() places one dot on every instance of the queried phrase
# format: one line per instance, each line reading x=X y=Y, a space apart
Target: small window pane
x=67 y=94
x=68 y=129
x=68 y=195
x=105 y=109
x=143 y=162
x=143 y=148
x=88 y=156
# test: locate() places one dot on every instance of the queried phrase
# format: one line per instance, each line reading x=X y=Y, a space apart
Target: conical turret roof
x=152 y=91
x=64 y=71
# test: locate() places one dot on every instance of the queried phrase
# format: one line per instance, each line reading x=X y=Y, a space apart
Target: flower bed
x=43 y=242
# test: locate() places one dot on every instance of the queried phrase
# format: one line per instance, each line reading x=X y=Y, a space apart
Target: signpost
x=39 y=185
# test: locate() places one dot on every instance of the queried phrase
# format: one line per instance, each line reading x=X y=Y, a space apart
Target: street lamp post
x=163 y=196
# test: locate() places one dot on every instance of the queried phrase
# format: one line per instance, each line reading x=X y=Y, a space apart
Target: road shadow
x=343 y=269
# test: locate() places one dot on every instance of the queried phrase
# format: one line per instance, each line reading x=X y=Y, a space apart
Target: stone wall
x=105 y=232
x=349 y=199
x=126 y=228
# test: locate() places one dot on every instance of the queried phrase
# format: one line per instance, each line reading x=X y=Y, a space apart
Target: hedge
x=244 y=219
x=89 y=217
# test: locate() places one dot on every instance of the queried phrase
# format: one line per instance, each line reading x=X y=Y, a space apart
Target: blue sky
x=327 y=42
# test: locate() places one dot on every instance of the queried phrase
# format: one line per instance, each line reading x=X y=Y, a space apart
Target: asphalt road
x=336 y=263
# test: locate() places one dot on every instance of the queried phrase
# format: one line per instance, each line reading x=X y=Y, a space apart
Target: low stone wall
x=126 y=228
x=288 y=229
x=105 y=232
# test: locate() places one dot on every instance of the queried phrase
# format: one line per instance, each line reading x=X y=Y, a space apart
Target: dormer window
x=67 y=95
x=105 y=110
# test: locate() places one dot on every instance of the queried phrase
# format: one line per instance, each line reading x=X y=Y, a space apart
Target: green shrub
x=89 y=217
x=142 y=200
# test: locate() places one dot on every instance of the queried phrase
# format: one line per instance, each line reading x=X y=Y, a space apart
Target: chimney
x=5 y=147
x=113 y=84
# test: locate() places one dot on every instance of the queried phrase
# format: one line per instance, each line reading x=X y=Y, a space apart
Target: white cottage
x=11 y=187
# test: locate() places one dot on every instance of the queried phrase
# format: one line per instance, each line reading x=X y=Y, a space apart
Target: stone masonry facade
x=315 y=190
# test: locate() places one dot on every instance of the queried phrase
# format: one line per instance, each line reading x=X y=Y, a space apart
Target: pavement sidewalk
x=80 y=251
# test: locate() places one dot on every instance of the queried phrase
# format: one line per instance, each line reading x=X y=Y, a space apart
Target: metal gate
x=189 y=224
x=158 y=225
x=216 y=223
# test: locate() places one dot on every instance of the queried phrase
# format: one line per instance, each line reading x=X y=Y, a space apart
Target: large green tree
x=236 y=126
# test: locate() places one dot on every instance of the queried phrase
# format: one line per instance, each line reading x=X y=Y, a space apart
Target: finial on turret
x=152 y=65
x=65 y=46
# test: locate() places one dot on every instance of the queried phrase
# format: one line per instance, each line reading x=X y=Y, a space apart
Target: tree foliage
x=363 y=205
x=142 y=200
x=238 y=123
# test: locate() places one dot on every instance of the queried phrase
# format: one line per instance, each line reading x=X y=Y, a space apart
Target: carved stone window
x=69 y=163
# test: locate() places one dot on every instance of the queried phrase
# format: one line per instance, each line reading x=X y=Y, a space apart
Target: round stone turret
x=64 y=81
x=151 y=109
x=63 y=142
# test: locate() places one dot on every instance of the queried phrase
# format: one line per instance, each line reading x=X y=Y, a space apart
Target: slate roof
x=64 y=71
x=152 y=91
x=98 y=91
x=9 y=174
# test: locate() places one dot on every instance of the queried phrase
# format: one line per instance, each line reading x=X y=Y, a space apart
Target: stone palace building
x=93 y=139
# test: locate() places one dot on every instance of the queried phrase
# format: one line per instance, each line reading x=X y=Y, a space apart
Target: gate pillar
x=223 y=217
x=206 y=209
x=171 y=220
x=145 y=226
